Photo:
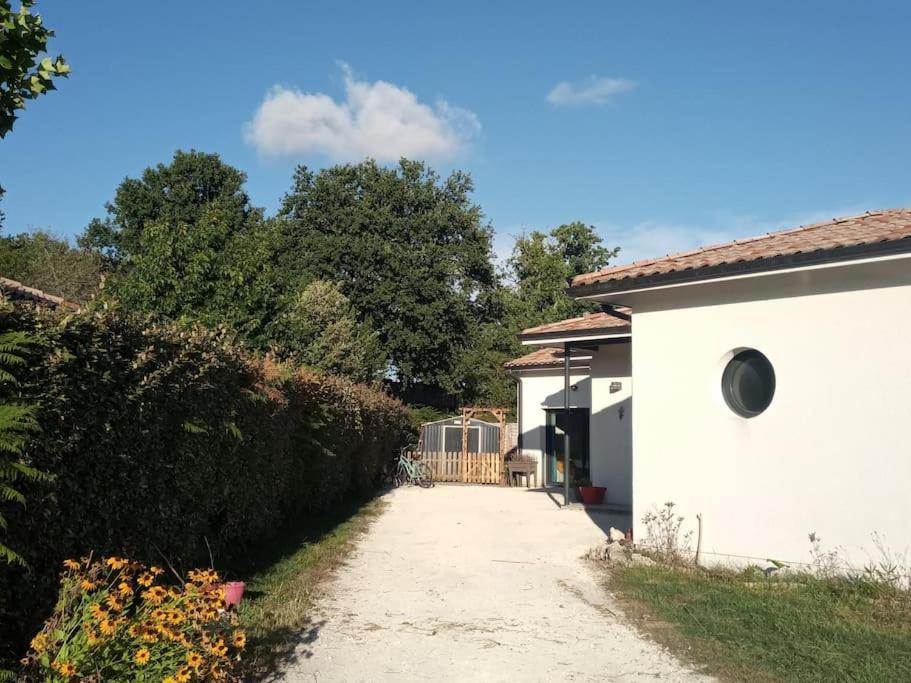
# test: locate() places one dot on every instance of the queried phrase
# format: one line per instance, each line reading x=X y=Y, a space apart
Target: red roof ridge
x=17 y=289
x=588 y=277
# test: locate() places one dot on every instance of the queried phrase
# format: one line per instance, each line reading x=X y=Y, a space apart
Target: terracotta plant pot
x=234 y=591
x=592 y=495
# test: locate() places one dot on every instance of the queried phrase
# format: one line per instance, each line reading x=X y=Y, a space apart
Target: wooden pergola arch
x=470 y=411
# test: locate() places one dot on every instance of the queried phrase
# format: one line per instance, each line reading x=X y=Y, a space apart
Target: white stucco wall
x=832 y=452
x=611 y=423
x=540 y=389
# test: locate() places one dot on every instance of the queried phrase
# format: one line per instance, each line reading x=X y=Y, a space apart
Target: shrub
x=165 y=439
x=118 y=620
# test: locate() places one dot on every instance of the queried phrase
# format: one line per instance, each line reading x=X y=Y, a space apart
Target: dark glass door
x=577 y=426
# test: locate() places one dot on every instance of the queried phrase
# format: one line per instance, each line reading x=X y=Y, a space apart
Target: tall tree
x=42 y=260
x=410 y=251
x=320 y=329
x=542 y=264
x=23 y=39
x=177 y=193
x=536 y=277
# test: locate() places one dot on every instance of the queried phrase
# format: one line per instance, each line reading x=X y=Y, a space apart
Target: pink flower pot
x=592 y=495
x=234 y=591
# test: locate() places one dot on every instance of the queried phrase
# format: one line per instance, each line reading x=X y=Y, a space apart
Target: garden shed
x=445 y=436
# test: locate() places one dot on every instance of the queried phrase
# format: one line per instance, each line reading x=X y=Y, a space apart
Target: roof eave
x=543 y=338
x=740 y=268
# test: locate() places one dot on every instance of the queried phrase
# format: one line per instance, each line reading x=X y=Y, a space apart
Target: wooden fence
x=473 y=468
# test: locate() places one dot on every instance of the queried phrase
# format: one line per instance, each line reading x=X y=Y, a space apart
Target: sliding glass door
x=577 y=425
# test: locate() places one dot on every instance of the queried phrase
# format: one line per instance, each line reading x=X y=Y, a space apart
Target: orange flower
x=124 y=589
x=183 y=674
x=145 y=580
x=115 y=563
x=87 y=585
x=71 y=564
x=142 y=656
x=155 y=571
x=240 y=639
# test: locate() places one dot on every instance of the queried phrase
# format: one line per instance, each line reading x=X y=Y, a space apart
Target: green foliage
x=541 y=266
x=534 y=293
x=49 y=263
x=265 y=442
x=24 y=74
x=409 y=250
x=797 y=627
x=17 y=423
x=320 y=329
x=193 y=186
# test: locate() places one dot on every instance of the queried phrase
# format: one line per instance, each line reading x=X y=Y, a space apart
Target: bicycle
x=412 y=470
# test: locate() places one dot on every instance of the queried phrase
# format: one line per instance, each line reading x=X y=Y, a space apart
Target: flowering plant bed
x=120 y=620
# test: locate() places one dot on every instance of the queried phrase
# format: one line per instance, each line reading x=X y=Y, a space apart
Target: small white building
x=772 y=388
x=599 y=387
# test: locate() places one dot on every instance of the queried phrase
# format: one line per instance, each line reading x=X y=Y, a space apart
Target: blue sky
x=665 y=124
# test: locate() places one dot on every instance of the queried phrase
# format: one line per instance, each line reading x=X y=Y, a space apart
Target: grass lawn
x=745 y=626
x=283 y=577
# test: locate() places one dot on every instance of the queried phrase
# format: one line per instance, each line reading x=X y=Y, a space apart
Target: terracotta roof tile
x=543 y=357
x=873 y=227
x=589 y=322
x=18 y=291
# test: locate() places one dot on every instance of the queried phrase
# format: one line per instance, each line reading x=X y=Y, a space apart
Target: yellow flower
x=219 y=648
x=87 y=585
x=155 y=571
x=168 y=679
x=97 y=611
x=240 y=639
x=65 y=669
x=92 y=637
x=108 y=626
x=114 y=602
x=115 y=563
x=71 y=564
x=39 y=642
x=145 y=580
x=155 y=595
x=124 y=589
x=216 y=673
x=183 y=674
x=194 y=659
x=142 y=656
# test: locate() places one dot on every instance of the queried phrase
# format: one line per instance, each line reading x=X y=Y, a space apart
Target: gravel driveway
x=472 y=583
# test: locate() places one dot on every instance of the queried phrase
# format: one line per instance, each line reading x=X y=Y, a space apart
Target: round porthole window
x=748 y=383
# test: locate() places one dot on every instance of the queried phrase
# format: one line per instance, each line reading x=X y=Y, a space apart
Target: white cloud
x=379 y=119
x=592 y=90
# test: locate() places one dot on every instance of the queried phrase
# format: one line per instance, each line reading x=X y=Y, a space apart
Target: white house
x=772 y=388
x=599 y=389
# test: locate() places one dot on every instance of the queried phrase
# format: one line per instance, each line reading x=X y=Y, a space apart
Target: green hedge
x=163 y=438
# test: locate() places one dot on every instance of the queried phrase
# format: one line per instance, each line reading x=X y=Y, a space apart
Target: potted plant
x=590 y=495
